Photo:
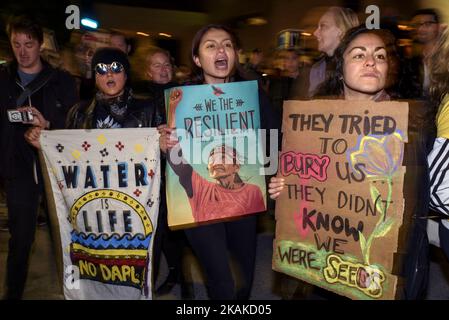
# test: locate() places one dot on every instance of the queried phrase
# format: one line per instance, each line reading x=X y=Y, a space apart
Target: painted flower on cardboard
x=381 y=157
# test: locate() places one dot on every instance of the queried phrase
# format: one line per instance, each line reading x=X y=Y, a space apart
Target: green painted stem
x=383 y=215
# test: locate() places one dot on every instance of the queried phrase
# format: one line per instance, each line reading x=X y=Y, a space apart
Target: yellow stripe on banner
x=110 y=252
x=443 y=118
x=111 y=194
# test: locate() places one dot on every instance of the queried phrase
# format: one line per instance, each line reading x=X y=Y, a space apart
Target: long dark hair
x=334 y=84
x=439 y=80
x=198 y=74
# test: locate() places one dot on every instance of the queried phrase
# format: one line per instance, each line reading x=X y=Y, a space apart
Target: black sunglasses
x=103 y=68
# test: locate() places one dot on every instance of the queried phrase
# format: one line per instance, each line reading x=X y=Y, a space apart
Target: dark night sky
x=51 y=14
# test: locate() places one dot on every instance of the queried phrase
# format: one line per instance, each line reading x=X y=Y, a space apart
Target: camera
x=20 y=116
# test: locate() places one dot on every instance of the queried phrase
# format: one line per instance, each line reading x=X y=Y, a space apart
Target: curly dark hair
x=333 y=86
x=439 y=80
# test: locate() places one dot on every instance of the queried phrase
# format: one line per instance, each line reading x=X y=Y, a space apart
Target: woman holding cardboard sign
x=362 y=63
x=214 y=53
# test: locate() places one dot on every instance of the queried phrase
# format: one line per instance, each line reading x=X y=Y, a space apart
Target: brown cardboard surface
x=340 y=214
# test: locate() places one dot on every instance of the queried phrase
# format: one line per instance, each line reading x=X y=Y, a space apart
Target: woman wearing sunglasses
x=113 y=106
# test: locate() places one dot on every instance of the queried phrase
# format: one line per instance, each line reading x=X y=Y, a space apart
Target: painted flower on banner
x=104 y=152
x=60 y=147
x=86 y=146
x=381 y=157
x=119 y=146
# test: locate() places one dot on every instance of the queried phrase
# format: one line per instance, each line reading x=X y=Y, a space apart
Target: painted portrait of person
x=227 y=195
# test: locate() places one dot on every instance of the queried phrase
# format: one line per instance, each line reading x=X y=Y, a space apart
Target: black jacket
x=140 y=113
x=53 y=100
x=154 y=92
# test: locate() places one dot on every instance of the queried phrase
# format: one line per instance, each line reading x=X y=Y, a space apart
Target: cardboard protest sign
x=339 y=217
x=215 y=171
x=105 y=186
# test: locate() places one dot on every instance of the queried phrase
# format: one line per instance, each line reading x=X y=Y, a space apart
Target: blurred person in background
x=86 y=80
x=118 y=40
x=426 y=32
x=290 y=63
x=332 y=27
x=183 y=74
x=253 y=66
x=280 y=87
x=159 y=71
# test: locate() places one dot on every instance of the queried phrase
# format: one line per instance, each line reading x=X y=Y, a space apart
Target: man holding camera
x=30 y=92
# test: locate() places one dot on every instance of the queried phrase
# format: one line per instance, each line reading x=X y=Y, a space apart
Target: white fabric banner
x=105 y=185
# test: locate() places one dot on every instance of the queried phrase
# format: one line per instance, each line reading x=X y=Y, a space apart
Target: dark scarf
x=111 y=112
